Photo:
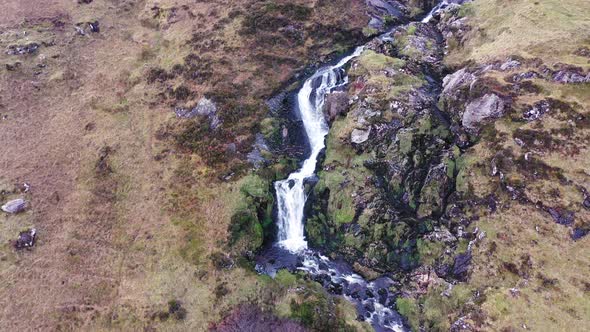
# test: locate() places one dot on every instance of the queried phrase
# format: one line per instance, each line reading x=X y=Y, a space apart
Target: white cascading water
x=291 y=201
x=291 y=196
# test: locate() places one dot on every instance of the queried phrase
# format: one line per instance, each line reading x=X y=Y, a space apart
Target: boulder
x=490 y=106
x=15 y=206
x=26 y=239
x=458 y=79
x=336 y=104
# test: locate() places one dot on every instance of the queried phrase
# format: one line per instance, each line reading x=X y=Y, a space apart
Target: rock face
x=15 y=206
x=487 y=107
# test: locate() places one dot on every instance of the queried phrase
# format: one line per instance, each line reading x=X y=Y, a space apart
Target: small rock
x=13 y=66
x=538 y=110
x=579 y=233
x=510 y=65
x=525 y=76
x=15 y=206
x=26 y=239
x=359 y=136
x=561 y=217
x=94 y=26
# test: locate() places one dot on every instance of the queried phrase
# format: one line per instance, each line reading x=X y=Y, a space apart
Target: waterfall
x=290 y=192
x=374 y=300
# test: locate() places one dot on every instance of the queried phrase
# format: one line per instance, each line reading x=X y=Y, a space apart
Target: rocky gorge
x=243 y=165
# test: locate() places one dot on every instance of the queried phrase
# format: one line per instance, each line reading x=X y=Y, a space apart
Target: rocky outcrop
x=205 y=108
x=390 y=165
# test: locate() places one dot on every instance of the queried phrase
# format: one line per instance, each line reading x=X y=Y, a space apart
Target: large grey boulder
x=489 y=106
x=15 y=206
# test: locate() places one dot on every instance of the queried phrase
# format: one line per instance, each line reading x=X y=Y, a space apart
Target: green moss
x=270 y=128
x=368 y=32
x=409 y=308
x=405 y=138
x=252 y=221
x=373 y=61
x=255 y=186
x=286 y=278
x=439 y=311
x=429 y=251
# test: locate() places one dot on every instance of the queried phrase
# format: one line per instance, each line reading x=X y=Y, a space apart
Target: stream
x=374 y=301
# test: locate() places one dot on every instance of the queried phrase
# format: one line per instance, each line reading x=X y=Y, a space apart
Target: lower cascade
x=374 y=301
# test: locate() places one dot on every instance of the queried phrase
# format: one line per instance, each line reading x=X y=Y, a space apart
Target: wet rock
x=369 y=306
x=461 y=265
x=336 y=104
x=26 y=239
x=539 y=109
x=562 y=217
x=490 y=106
x=359 y=136
x=29 y=48
x=586 y=203
x=15 y=206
